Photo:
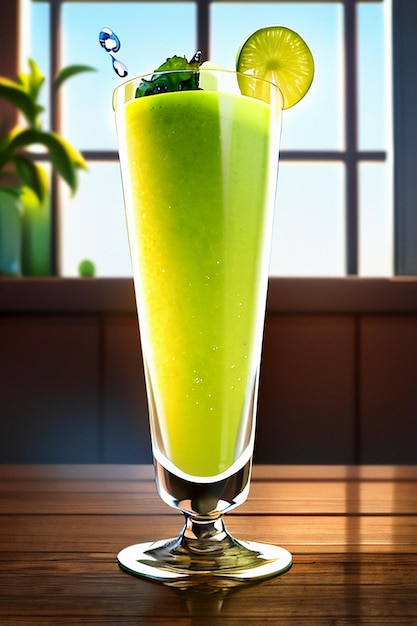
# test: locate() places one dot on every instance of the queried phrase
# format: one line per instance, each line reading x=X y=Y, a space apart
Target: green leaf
x=6 y=153
x=64 y=160
x=71 y=70
x=9 y=143
x=74 y=154
x=4 y=142
x=14 y=93
x=23 y=80
x=36 y=79
x=32 y=175
x=11 y=191
x=33 y=81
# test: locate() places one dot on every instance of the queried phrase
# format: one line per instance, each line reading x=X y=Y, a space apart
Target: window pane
x=317 y=121
x=149 y=32
x=375 y=222
x=309 y=236
x=38 y=48
x=310 y=221
x=93 y=224
x=373 y=76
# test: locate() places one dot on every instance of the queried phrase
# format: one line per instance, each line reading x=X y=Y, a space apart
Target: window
x=335 y=201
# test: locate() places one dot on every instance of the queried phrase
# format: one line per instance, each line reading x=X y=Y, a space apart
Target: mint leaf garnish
x=175 y=74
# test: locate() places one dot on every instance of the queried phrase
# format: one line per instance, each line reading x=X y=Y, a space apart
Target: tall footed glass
x=199 y=170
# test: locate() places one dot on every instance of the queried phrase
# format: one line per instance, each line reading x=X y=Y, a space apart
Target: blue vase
x=36 y=235
x=10 y=234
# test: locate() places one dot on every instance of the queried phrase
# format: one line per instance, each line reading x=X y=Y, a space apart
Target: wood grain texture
x=352 y=531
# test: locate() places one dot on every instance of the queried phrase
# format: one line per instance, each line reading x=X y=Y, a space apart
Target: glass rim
x=219 y=70
x=215 y=70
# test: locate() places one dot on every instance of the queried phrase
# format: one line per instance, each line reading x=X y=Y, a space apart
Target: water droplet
x=196 y=58
x=111 y=43
x=119 y=67
x=109 y=40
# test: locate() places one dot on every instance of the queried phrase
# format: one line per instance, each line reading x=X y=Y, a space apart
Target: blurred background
x=339 y=370
x=344 y=122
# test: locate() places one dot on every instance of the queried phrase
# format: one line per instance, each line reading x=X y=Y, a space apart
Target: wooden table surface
x=352 y=532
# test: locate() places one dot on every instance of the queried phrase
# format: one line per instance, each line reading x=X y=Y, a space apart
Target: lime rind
x=280 y=55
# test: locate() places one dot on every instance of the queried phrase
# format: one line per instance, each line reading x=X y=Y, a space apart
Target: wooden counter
x=352 y=532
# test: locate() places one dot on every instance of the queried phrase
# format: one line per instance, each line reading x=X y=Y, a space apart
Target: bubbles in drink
x=110 y=42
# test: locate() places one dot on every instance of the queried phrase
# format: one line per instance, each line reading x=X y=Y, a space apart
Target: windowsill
x=286 y=295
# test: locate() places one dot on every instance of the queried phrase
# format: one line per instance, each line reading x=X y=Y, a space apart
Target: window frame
x=404 y=46
x=404 y=17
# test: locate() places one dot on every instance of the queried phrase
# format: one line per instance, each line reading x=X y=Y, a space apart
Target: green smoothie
x=196 y=166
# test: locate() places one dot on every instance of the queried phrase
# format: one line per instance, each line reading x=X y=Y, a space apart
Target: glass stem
x=205 y=534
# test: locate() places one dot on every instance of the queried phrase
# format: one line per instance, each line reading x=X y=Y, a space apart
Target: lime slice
x=280 y=55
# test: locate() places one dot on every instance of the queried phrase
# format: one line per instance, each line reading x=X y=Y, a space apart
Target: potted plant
x=25 y=237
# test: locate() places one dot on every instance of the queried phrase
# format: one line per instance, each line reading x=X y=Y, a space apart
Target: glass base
x=204 y=554
x=203 y=499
